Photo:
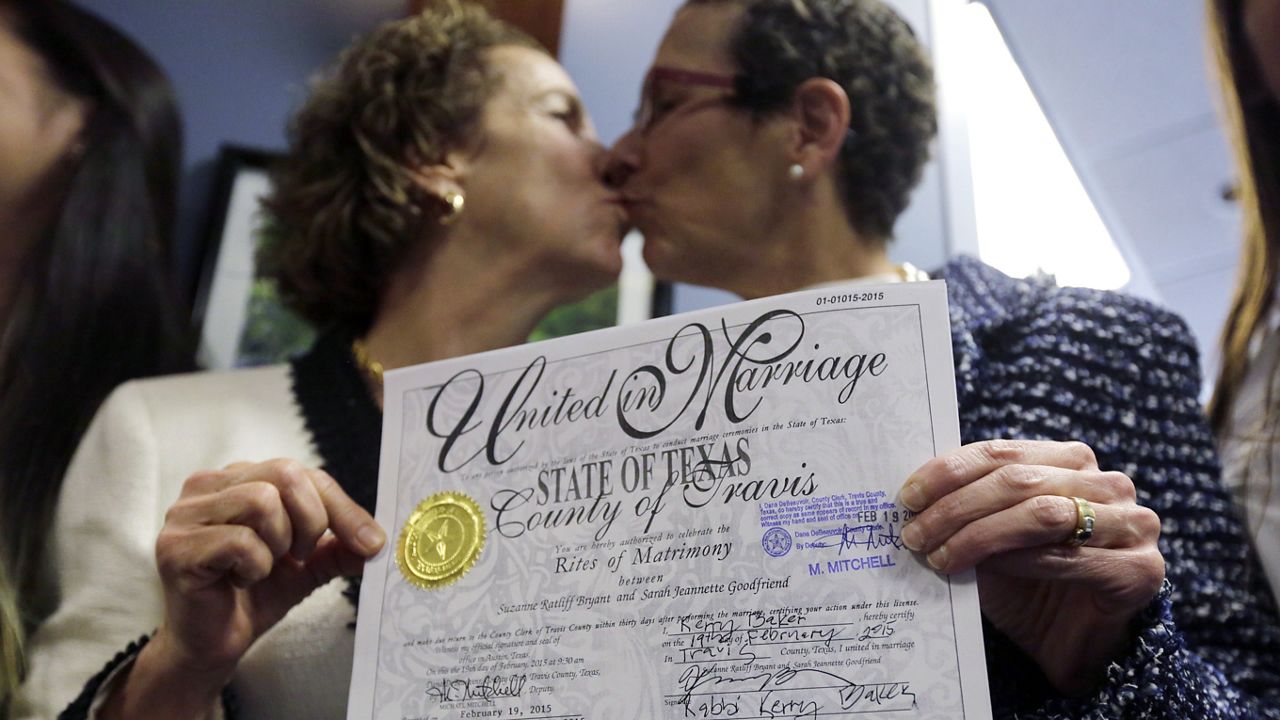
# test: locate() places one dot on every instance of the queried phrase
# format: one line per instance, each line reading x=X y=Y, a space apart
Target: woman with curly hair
x=442 y=191
x=777 y=142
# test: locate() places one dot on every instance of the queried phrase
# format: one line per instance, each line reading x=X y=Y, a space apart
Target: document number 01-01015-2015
x=855 y=297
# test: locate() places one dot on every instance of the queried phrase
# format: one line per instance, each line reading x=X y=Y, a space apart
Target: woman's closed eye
x=570 y=117
x=567 y=110
x=664 y=101
x=663 y=107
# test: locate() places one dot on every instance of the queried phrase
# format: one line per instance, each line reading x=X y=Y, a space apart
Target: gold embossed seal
x=441 y=541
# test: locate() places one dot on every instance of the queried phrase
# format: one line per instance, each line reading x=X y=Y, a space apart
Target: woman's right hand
x=238 y=550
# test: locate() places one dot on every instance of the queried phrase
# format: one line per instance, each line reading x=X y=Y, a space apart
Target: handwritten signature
x=713 y=689
x=720 y=639
x=489 y=687
x=861 y=537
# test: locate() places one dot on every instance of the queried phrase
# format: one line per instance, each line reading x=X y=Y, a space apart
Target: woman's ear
x=821 y=111
x=442 y=179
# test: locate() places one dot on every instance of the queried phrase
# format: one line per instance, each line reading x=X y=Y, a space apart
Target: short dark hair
x=871 y=52
x=345 y=210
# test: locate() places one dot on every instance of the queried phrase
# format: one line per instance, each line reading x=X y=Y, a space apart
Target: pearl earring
x=796 y=171
x=453 y=203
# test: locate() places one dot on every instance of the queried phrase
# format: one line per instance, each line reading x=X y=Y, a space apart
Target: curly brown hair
x=346 y=210
x=874 y=55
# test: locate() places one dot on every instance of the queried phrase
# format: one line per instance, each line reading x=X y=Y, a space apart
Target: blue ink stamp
x=776 y=541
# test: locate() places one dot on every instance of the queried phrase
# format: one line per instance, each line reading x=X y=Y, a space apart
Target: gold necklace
x=371 y=368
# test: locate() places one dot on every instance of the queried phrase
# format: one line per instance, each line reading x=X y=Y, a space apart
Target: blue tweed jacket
x=1037 y=361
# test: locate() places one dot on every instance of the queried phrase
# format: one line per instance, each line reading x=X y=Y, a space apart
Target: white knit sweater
x=145 y=441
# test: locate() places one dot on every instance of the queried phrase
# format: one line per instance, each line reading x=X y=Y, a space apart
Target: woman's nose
x=622 y=160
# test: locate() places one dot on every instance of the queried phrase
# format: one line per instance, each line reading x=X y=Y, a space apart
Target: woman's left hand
x=1006 y=507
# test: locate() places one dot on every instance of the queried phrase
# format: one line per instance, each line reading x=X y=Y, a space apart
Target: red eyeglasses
x=653 y=109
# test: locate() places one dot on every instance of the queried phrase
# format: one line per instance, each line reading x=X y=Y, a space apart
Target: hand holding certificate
x=694 y=517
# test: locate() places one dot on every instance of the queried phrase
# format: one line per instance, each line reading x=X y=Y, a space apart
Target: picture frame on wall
x=243 y=323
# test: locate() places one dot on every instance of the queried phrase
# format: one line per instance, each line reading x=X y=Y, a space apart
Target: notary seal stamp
x=776 y=541
x=441 y=540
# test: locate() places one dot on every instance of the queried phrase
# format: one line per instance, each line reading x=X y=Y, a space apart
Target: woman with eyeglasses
x=776 y=144
x=443 y=190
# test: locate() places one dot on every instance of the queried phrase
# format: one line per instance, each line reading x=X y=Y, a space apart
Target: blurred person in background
x=90 y=159
x=443 y=190
x=10 y=642
x=1245 y=410
x=776 y=144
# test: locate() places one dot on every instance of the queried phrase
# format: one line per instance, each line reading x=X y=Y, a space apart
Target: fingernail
x=938 y=558
x=911 y=537
x=912 y=496
x=371 y=538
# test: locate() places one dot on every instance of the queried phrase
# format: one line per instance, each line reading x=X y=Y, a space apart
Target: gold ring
x=1085 y=519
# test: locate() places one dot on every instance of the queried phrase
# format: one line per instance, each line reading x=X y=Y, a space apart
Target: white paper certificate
x=691 y=517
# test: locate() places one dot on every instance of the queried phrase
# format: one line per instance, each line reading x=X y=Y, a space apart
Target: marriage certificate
x=693 y=517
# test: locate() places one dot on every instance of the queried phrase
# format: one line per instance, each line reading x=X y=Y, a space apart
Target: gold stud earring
x=454 y=202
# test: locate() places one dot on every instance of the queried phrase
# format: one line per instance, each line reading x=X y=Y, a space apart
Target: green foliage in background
x=271 y=333
x=597 y=311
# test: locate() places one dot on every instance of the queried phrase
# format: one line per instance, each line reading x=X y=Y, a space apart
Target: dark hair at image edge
x=95 y=305
x=1252 y=119
x=346 y=206
x=871 y=52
